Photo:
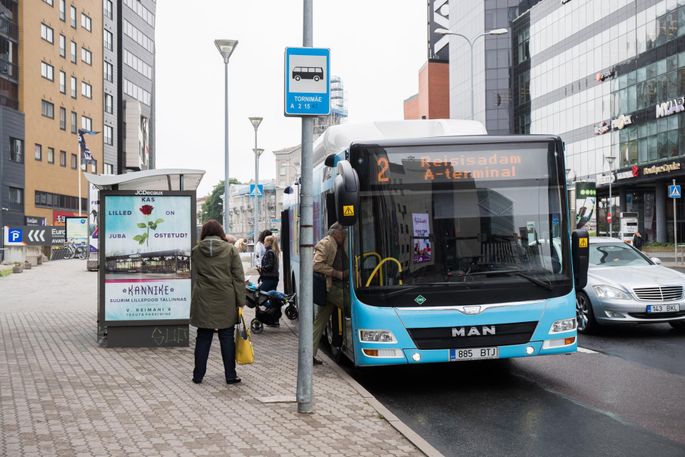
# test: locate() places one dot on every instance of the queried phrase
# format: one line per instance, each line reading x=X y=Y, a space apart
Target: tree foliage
x=213 y=207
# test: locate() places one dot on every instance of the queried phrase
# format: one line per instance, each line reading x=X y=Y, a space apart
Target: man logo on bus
x=473 y=331
x=348 y=210
x=582 y=242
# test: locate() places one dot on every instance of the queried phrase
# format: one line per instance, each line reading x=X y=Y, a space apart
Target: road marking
x=586 y=351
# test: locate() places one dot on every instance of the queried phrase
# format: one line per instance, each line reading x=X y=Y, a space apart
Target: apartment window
x=109 y=103
x=47 y=71
x=47 y=33
x=86 y=123
x=72 y=10
x=139 y=37
x=74 y=162
x=49 y=2
x=62 y=159
x=73 y=87
x=108 y=39
x=137 y=64
x=63 y=118
x=62 y=46
x=51 y=155
x=86 y=56
x=109 y=72
x=62 y=10
x=107 y=8
x=74 y=121
x=73 y=52
x=38 y=152
x=109 y=135
x=16 y=150
x=47 y=109
x=16 y=197
x=109 y=169
x=62 y=82
x=86 y=23
x=86 y=90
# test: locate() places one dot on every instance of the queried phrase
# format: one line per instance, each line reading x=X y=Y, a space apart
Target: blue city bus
x=459 y=242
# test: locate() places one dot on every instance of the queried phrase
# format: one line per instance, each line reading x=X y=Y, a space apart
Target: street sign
x=37 y=235
x=674 y=191
x=31 y=235
x=257 y=190
x=609 y=218
x=14 y=236
x=307 y=82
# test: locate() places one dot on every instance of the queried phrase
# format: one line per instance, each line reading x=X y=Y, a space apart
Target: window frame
x=14 y=155
x=62 y=118
x=47 y=71
x=74 y=87
x=73 y=52
x=38 y=152
x=47 y=109
x=110 y=136
x=86 y=22
x=51 y=155
x=62 y=46
x=63 y=159
x=74 y=161
x=72 y=16
x=47 y=33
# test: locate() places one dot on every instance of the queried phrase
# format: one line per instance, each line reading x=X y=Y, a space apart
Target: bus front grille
x=472 y=336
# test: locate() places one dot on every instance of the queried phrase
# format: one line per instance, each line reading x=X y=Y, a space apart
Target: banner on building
x=586 y=206
x=147 y=240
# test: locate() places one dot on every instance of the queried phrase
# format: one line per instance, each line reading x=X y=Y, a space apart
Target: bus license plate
x=457 y=355
x=663 y=308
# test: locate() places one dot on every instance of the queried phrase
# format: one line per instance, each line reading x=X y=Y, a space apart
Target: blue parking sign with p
x=14 y=235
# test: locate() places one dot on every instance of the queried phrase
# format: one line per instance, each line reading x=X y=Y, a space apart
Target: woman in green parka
x=218 y=290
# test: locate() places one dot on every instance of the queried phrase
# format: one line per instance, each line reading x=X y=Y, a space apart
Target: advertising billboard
x=586 y=206
x=77 y=230
x=145 y=241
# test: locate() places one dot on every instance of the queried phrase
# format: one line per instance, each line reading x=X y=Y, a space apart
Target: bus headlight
x=377 y=336
x=563 y=325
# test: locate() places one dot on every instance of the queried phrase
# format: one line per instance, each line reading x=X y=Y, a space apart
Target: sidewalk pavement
x=62 y=394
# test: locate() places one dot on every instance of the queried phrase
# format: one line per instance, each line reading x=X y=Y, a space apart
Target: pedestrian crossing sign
x=674 y=191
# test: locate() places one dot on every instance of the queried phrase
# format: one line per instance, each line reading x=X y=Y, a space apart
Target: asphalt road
x=626 y=399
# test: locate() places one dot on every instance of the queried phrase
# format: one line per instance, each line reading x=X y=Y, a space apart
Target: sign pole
x=305 y=402
x=675 y=229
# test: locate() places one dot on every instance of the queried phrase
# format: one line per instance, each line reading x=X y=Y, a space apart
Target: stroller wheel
x=256 y=326
x=291 y=312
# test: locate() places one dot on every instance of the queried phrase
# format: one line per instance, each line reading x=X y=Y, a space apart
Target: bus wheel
x=297 y=78
x=316 y=78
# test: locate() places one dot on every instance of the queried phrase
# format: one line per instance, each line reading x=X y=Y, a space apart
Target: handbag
x=319 y=289
x=244 y=352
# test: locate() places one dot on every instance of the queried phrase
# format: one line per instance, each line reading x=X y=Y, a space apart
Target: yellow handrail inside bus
x=378 y=268
x=363 y=257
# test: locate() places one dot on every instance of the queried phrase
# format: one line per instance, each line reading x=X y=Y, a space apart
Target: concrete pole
x=255 y=223
x=473 y=95
x=227 y=227
x=305 y=401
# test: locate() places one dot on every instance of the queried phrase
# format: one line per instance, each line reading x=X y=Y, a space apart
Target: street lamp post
x=257 y=152
x=610 y=219
x=471 y=42
x=226 y=48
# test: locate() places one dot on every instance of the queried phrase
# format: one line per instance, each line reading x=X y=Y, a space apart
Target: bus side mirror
x=330 y=160
x=580 y=248
x=346 y=194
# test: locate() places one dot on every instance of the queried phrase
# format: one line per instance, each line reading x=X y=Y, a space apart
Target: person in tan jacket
x=330 y=260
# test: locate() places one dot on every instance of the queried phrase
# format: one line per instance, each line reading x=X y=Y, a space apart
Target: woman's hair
x=213 y=228
x=263 y=235
x=241 y=245
x=272 y=241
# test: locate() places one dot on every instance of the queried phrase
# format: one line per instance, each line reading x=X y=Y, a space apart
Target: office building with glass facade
x=609 y=78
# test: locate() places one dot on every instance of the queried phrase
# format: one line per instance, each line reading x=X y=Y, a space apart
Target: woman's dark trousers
x=202 y=344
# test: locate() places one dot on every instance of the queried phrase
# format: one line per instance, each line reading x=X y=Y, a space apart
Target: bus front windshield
x=487 y=221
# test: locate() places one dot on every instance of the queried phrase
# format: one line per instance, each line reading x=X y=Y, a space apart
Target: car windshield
x=440 y=225
x=616 y=255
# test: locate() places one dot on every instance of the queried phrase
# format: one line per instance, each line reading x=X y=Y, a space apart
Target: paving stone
x=64 y=395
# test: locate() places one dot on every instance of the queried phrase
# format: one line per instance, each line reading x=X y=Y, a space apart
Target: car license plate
x=457 y=355
x=663 y=308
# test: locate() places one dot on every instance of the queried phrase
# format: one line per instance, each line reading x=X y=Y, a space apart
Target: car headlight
x=611 y=292
x=377 y=336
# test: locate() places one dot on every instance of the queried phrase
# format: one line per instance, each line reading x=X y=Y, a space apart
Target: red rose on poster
x=146 y=209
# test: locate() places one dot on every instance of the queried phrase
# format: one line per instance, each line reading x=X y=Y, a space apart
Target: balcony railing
x=9 y=28
x=8 y=69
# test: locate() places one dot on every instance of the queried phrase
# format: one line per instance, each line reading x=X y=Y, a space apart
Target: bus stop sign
x=307 y=82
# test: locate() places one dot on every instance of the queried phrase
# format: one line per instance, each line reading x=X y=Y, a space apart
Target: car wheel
x=678 y=325
x=584 y=314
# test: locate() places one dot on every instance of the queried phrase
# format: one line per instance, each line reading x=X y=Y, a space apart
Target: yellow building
x=61 y=90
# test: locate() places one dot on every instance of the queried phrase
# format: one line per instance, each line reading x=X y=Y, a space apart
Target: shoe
x=197 y=381
x=317 y=361
x=235 y=380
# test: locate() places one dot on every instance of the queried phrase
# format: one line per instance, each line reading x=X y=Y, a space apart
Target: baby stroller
x=268 y=307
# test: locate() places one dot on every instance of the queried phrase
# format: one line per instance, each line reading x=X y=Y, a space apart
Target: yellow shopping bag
x=244 y=352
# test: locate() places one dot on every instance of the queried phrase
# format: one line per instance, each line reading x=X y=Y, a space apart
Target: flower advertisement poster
x=147 y=246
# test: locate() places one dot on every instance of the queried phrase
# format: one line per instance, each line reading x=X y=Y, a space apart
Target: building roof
x=159 y=179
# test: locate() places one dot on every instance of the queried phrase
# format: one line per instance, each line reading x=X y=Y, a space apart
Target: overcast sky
x=377 y=47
